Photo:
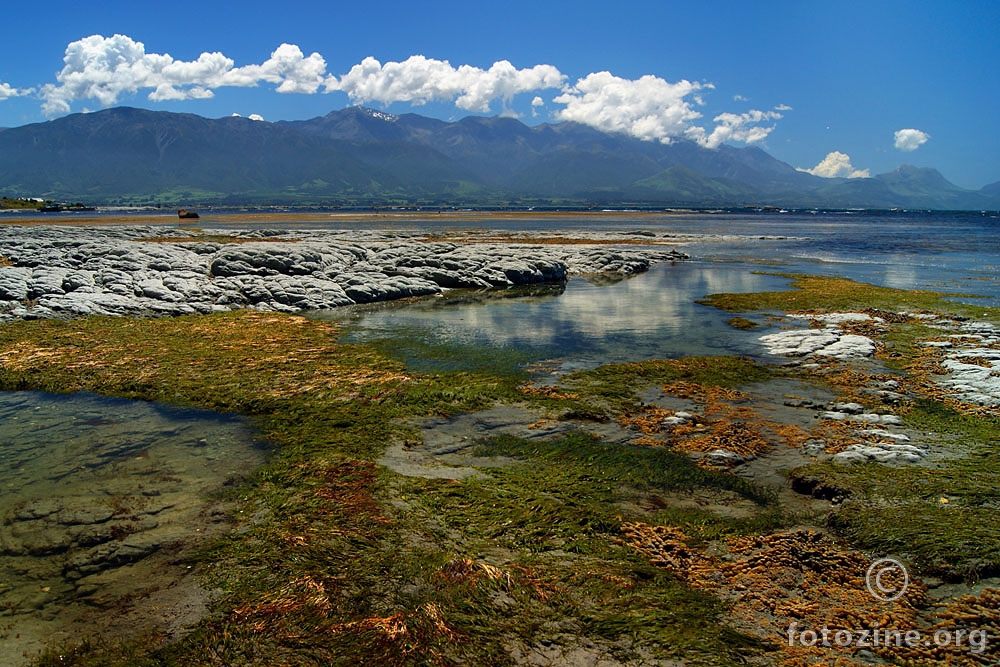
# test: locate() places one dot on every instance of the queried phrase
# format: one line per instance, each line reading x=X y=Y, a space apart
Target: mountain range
x=362 y=157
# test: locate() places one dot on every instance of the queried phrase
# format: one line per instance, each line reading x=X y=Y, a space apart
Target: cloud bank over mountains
x=419 y=80
x=651 y=108
x=105 y=69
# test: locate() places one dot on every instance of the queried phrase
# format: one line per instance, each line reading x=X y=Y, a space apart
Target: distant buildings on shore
x=40 y=205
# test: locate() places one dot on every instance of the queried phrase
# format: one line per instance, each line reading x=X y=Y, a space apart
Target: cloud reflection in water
x=652 y=315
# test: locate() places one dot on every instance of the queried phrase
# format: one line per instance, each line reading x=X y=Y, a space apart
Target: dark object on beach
x=184 y=214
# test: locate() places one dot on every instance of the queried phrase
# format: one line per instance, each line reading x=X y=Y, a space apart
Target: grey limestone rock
x=14 y=283
x=815 y=448
x=724 y=457
x=889 y=454
x=66 y=272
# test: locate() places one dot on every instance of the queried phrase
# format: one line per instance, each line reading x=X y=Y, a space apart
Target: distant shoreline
x=208 y=216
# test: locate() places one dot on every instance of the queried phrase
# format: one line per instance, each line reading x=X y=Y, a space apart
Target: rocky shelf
x=65 y=272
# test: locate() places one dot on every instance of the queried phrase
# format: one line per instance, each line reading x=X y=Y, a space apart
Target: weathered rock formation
x=61 y=272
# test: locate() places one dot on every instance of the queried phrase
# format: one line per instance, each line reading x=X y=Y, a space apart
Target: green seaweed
x=608 y=390
x=742 y=323
x=824 y=293
x=941 y=517
x=338 y=561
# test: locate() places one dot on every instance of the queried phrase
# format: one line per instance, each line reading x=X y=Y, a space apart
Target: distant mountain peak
x=910 y=170
x=380 y=115
x=907 y=173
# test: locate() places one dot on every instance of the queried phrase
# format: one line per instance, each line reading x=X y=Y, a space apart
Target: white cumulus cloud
x=288 y=67
x=536 y=103
x=647 y=108
x=105 y=68
x=419 y=80
x=652 y=108
x=910 y=140
x=742 y=127
x=7 y=91
x=837 y=165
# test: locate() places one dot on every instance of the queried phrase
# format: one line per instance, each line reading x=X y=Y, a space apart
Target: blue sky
x=827 y=86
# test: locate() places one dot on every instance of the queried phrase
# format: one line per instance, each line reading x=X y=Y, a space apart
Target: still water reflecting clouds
x=589 y=323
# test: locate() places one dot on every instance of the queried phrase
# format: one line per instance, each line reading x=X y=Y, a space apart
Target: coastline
x=256 y=217
x=340 y=513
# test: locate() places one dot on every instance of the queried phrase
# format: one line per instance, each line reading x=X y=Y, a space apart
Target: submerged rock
x=881 y=453
x=725 y=457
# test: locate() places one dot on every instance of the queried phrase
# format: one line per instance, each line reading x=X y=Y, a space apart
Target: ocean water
x=654 y=315
x=949 y=252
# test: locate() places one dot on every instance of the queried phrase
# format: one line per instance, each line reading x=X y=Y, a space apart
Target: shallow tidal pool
x=584 y=324
x=95 y=492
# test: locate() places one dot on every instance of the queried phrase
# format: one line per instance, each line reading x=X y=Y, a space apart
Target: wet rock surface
x=969 y=365
x=445 y=448
x=63 y=272
x=829 y=341
x=970 y=361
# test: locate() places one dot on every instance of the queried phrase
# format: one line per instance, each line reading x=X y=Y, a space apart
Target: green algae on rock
x=900 y=509
x=832 y=294
x=337 y=560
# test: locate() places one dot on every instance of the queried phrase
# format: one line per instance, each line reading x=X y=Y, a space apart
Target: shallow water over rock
x=98 y=497
x=588 y=323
